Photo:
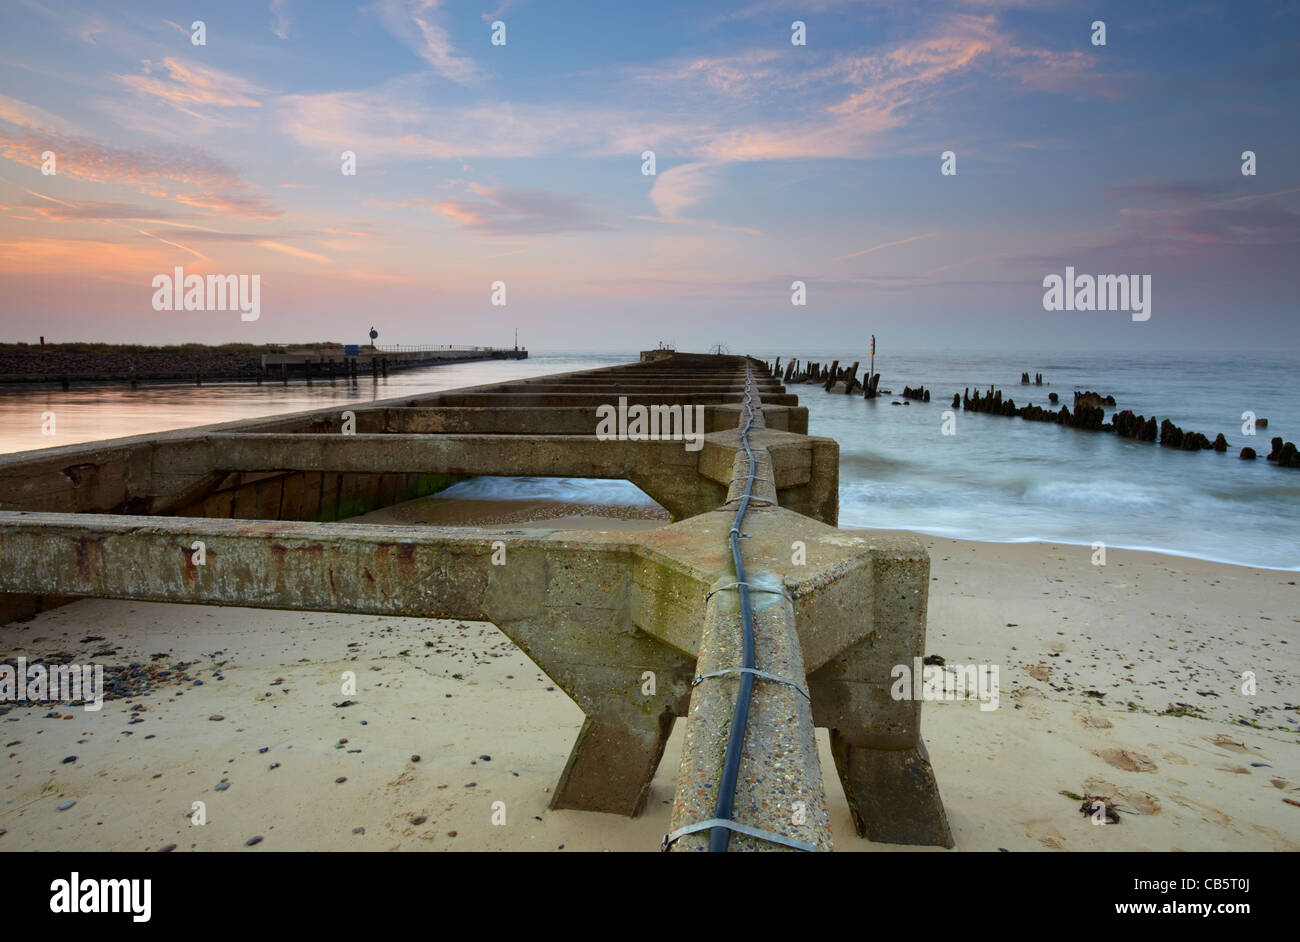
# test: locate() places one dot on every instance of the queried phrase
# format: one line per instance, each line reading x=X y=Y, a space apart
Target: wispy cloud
x=679 y=188
x=507 y=211
x=94 y=27
x=416 y=24
x=182 y=174
x=26 y=115
x=95 y=210
x=88 y=159
x=738 y=74
x=1177 y=191
x=394 y=122
x=883 y=245
x=243 y=205
x=280 y=18
x=188 y=85
x=28 y=255
x=499 y=11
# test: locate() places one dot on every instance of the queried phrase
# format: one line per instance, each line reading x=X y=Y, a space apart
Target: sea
x=994 y=479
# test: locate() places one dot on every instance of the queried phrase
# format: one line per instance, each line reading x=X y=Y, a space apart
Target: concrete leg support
x=612 y=765
x=892 y=793
x=876 y=739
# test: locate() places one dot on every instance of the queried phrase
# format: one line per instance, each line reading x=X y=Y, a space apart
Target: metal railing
x=436 y=347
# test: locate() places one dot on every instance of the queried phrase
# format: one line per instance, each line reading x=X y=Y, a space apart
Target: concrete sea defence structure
x=107 y=363
x=638 y=628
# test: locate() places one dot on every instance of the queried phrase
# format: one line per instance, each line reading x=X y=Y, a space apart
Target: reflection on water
x=95 y=412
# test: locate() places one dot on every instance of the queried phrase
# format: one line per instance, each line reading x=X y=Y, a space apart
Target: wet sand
x=1148 y=631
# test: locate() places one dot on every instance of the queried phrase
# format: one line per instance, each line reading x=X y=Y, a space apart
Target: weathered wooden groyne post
x=596 y=611
x=831 y=375
x=851 y=378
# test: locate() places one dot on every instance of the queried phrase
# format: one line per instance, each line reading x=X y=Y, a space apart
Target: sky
x=521 y=162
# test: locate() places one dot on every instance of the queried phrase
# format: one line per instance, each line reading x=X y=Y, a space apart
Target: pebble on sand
x=419 y=819
x=167 y=850
x=340 y=780
x=216 y=716
x=69 y=759
x=253 y=840
x=66 y=805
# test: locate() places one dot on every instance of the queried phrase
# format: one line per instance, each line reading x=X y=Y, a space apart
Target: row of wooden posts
x=830 y=378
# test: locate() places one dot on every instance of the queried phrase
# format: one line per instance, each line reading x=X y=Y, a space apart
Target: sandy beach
x=1121 y=680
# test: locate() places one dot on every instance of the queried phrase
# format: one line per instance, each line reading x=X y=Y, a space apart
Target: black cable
x=719 y=838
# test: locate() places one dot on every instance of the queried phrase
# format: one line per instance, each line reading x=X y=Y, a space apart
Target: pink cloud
x=188 y=85
x=508 y=211
x=680 y=188
x=166 y=172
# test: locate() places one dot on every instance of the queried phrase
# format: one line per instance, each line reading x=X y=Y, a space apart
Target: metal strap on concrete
x=757 y=673
x=670 y=839
x=762 y=500
x=752 y=588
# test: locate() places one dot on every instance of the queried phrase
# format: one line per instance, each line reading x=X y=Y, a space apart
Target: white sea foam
x=566 y=490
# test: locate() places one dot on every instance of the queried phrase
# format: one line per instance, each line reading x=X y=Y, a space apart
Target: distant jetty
x=68 y=363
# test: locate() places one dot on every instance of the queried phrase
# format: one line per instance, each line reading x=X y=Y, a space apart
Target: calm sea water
x=1008 y=480
x=91 y=413
x=997 y=479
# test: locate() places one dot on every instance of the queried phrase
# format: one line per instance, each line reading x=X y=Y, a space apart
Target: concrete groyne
x=638 y=628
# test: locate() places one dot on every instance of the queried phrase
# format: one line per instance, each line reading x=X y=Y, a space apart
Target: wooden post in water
x=830 y=380
x=851 y=378
x=869 y=384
